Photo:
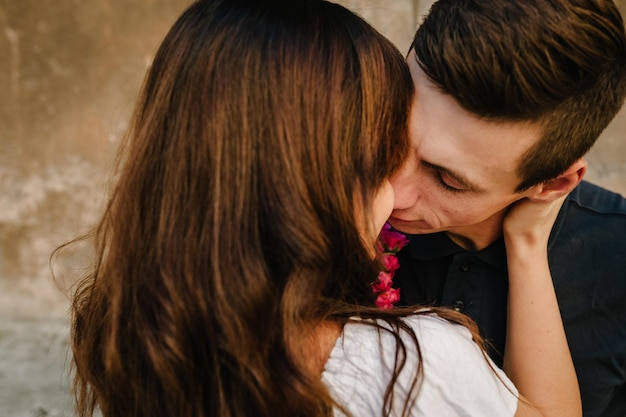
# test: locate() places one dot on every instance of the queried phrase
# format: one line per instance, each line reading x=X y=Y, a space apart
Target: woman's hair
x=231 y=229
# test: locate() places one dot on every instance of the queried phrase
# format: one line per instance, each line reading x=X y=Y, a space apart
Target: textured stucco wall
x=69 y=72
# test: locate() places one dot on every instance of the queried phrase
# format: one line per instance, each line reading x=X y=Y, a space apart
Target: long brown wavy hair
x=230 y=231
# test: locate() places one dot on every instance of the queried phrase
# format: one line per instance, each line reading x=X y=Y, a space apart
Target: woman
x=235 y=256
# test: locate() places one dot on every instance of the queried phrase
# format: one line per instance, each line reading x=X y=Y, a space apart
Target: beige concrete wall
x=69 y=72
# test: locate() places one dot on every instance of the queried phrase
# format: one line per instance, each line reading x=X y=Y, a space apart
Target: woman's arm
x=537 y=356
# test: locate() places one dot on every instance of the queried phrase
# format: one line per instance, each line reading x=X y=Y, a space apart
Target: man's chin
x=412 y=227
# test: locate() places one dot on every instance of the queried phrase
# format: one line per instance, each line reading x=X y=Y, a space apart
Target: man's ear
x=561 y=185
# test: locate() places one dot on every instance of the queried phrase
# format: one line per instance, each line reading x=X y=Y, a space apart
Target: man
x=509 y=97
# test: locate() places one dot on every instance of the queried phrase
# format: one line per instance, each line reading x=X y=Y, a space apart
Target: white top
x=457 y=378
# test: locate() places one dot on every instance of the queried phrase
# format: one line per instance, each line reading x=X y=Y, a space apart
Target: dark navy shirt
x=587 y=255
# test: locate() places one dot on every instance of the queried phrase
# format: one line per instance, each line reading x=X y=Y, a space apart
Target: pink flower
x=392 y=240
x=383 y=283
x=387 y=299
x=389 y=243
x=388 y=261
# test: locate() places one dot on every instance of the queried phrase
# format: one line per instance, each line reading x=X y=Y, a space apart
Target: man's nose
x=406 y=192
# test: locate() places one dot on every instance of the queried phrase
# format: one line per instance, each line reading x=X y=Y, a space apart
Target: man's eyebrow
x=458 y=177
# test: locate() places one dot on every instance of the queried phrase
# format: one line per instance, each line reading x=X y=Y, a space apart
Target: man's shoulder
x=591 y=217
x=596 y=201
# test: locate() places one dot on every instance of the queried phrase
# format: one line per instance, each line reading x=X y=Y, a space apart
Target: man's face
x=460 y=175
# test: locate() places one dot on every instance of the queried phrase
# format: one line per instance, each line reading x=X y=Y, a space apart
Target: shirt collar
x=438 y=245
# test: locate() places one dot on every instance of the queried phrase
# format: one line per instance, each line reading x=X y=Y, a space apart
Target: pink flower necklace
x=388 y=245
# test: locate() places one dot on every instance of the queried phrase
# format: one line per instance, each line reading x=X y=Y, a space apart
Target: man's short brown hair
x=559 y=63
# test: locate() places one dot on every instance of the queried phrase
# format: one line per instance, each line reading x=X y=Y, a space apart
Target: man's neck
x=478 y=237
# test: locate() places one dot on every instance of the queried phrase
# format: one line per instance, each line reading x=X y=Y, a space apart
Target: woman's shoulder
x=364 y=337
x=453 y=367
x=429 y=329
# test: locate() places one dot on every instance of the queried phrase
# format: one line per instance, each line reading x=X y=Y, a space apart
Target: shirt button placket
x=456 y=293
x=458 y=304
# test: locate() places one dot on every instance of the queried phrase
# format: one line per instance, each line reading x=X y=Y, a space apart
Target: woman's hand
x=529 y=223
x=536 y=357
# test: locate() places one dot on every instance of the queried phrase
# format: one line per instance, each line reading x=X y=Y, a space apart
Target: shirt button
x=465 y=267
x=458 y=305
